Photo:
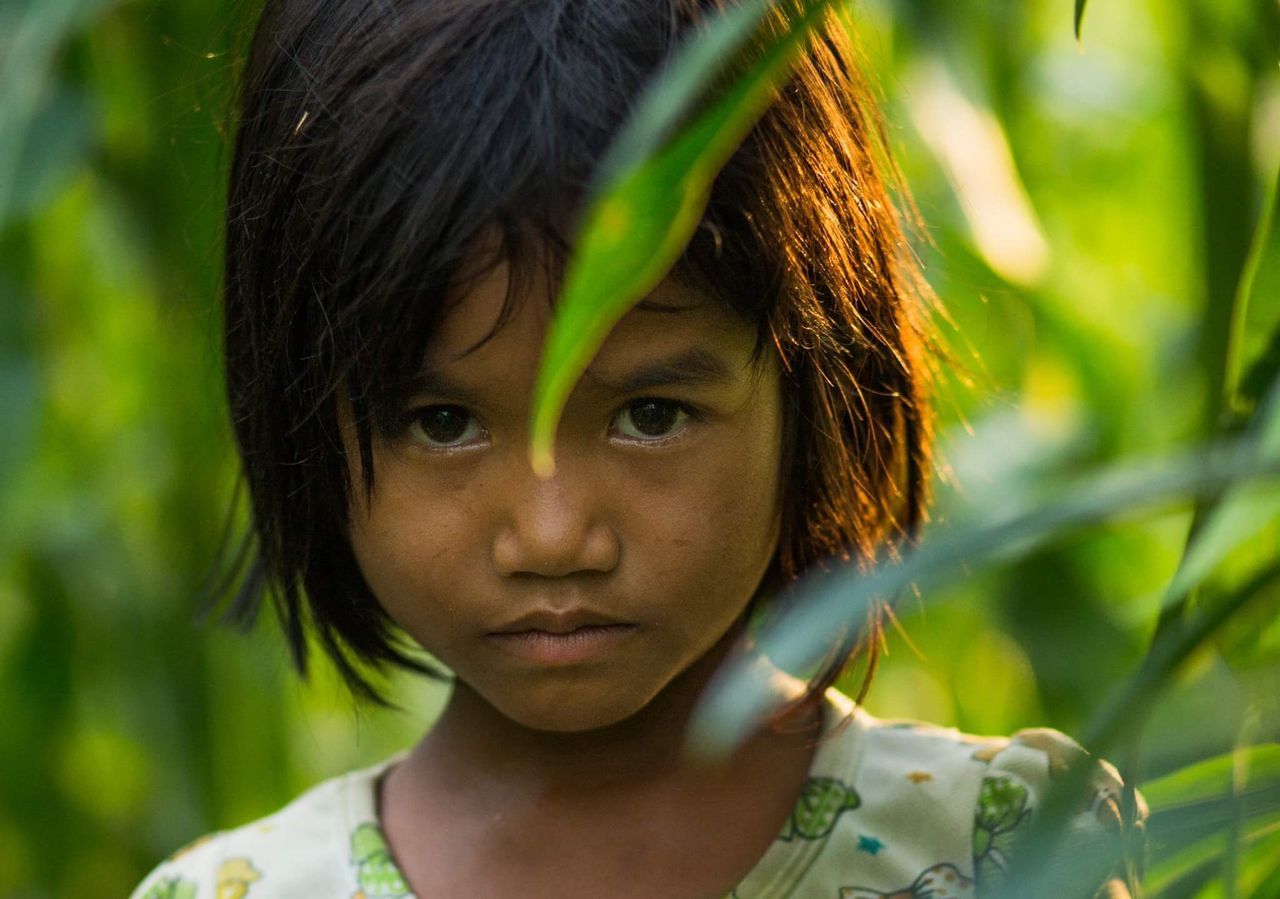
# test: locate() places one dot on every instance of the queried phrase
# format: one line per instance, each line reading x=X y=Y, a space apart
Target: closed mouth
x=584 y=644
x=559 y=623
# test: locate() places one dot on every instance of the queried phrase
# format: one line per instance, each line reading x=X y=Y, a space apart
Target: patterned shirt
x=890 y=810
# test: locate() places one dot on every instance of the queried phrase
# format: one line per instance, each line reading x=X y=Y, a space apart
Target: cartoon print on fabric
x=821 y=802
x=1002 y=806
x=234 y=877
x=376 y=872
x=171 y=888
x=942 y=881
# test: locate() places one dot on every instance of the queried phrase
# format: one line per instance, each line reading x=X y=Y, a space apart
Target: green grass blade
x=1079 y=16
x=643 y=217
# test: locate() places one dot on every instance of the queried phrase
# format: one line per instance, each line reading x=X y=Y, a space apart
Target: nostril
x=550 y=552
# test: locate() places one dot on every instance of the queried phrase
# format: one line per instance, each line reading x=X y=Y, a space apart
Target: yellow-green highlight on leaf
x=654 y=190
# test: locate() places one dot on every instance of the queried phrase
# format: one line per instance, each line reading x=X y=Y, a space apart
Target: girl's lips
x=570 y=647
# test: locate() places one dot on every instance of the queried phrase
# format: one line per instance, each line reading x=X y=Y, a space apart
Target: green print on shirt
x=377 y=874
x=942 y=881
x=172 y=888
x=821 y=802
x=1002 y=806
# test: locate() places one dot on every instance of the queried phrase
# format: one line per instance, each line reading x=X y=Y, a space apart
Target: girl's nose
x=552 y=528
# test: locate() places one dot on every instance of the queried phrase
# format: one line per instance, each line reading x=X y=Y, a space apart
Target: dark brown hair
x=377 y=139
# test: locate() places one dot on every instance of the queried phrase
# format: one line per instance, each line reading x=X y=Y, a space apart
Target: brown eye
x=444 y=427
x=651 y=420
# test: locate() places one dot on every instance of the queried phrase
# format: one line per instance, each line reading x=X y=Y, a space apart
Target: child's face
x=570 y=603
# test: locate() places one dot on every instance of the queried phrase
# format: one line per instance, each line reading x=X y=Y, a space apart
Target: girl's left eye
x=651 y=420
x=444 y=427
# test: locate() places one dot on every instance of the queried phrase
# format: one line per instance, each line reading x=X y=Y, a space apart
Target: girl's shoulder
x=324 y=842
x=896 y=807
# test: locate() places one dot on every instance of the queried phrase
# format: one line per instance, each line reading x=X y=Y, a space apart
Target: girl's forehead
x=504 y=312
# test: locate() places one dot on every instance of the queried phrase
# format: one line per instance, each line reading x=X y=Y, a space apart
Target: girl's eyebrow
x=695 y=366
x=434 y=383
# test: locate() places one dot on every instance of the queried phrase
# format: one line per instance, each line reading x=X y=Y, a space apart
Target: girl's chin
x=570 y=716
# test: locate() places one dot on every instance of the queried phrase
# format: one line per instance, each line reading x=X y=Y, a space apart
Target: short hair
x=376 y=139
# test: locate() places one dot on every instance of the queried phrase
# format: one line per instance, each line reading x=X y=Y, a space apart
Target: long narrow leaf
x=1239 y=514
x=642 y=219
x=1261 y=838
x=1212 y=777
x=1264 y=253
x=1124 y=714
x=827 y=603
x=1079 y=16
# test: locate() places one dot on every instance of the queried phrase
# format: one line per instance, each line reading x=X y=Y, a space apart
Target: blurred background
x=1089 y=210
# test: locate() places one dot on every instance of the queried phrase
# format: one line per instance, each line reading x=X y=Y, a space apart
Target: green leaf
x=1239 y=514
x=1261 y=839
x=1079 y=16
x=54 y=146
x=654 y=194
x=1262 y=867
x=1256 y=281
x=828 y=603
x=1212 y=778
x=32 y=126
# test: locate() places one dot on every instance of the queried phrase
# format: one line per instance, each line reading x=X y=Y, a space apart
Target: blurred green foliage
x=1090 y=212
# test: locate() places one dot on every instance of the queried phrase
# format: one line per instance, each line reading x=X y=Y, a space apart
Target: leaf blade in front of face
x=654 y=195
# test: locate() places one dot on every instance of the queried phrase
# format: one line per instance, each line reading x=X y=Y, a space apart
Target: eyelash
x=692 y=416
x=413 y=418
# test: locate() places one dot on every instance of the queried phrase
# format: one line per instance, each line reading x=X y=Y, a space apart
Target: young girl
x=406 y=180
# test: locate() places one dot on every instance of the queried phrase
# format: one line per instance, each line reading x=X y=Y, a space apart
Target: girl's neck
x=484 y=802
x=474 y=742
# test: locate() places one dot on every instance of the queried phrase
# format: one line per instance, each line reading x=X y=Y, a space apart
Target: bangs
x=467 y=136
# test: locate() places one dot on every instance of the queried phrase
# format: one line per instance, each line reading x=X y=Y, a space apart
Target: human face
x=570 y=602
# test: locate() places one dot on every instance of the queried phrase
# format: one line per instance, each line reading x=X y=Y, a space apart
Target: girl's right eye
x=444 y=427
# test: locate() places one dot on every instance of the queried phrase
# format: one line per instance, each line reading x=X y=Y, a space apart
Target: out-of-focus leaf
x=30 y=36
x=1264 y=867
x=1213 y=777
x=19 y=385
x=1241 y=512
x=1261 y=839
x=830 y=602
x=1124 y=713
x=1264 y=256
x=55 y=144
x=1264 y=370
x=654 y=195
x=973 y=149
x=1079 y=16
